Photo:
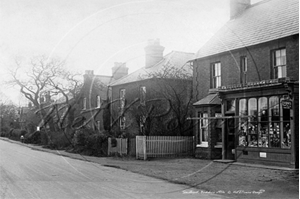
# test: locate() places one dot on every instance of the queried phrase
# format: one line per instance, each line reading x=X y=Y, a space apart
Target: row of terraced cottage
x=238 y=95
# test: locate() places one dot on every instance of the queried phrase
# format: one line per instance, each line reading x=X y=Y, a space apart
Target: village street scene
x=149 y=99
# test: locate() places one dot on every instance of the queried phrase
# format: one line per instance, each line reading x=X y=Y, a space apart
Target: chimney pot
x=154 y=52
x=119 y=70
x=89 y=72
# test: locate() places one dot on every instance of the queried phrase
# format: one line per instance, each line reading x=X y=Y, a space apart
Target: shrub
x=96 y=144
x=90 y=142
x=4 y=131
x=58 y=140
x=33 y=138
x=15 y=134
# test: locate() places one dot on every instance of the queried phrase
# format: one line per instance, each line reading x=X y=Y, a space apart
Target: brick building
x=247 y=74
x=94 y=95
x=141 y=100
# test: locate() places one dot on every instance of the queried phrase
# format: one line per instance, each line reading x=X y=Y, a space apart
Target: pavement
x=232 y=179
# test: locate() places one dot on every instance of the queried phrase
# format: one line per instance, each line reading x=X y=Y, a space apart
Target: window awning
x=211 y=99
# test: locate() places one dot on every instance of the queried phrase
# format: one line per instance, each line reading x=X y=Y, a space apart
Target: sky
x=93 y=34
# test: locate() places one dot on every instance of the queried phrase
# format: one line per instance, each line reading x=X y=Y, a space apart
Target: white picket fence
x=164 y=146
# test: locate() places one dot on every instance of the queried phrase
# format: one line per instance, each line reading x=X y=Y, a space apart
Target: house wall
x=90 y=91
x=152 y=92
x=259 y=64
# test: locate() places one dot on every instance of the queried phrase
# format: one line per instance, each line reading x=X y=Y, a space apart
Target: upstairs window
x=143 y=95
x=84 y=103
x=122 y=100
x=98 y=101
x=243 y=69
x=215 y=79
x=279 y=63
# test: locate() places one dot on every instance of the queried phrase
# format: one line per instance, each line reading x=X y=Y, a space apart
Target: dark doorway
x=230 y=138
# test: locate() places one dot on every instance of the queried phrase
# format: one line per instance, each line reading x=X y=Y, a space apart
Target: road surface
x=27 y=173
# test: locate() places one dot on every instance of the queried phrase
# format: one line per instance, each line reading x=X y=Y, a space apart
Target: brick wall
x=259 y=64
x=152 y=92
x=91 y=89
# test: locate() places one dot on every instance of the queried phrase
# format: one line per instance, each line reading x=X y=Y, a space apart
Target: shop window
x=279 y=63
x=216 y=75
x=243 y=69
x=143 y=95
x=252 y=124
x=263 y=122
x=267 y=125
x=274 y=125
x=230 y=105
x=285 y=127
x=203 y=130
x=243 y=122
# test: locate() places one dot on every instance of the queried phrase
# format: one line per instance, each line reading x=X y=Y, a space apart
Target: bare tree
x=33 y=79
x=46 y=78
x=175 y=86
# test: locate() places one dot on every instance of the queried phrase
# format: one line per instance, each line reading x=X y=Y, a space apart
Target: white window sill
x=218 y=146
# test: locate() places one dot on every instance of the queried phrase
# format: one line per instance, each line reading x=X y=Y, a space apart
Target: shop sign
x=286 y=104
x=250 y=84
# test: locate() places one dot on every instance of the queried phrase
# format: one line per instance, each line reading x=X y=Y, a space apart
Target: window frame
x=276 y=66
x=270 y=132
x=243 y=69
x=84 y=105
x=122 y=99
x=200 y=142
x=219 y=144
x=215 y=77
x=98 y=101
x=143 y=93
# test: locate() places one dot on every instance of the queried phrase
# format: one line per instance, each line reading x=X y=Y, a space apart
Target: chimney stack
x=238 y=6
x=154 y=52
x=89 y=72
x=119 y=70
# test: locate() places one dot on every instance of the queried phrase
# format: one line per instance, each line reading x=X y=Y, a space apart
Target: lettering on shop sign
x=286 y=104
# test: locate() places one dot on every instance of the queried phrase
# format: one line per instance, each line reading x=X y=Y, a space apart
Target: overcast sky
x=93 y=34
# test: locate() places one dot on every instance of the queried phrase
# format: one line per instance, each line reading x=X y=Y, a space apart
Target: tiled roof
x=175 y=58
x=262 y=22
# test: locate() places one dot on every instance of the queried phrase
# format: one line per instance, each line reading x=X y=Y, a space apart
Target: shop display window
x=243 y=122
x=264 y=123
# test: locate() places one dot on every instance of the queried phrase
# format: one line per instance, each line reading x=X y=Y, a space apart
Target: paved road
x=27 y=173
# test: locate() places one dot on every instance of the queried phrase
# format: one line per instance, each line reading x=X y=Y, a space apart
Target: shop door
x=230 y=138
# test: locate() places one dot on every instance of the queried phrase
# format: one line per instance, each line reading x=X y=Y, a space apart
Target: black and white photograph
x=149 y=99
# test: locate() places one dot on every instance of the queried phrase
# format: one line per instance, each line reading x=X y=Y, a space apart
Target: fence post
x=109 y=147
x=136 y=147
x=194 y=146
x=145 y=147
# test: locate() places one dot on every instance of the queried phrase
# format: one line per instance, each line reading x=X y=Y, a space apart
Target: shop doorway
x=230 y=138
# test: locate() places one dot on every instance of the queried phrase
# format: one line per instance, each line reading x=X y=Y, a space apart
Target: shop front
x=262 y=125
